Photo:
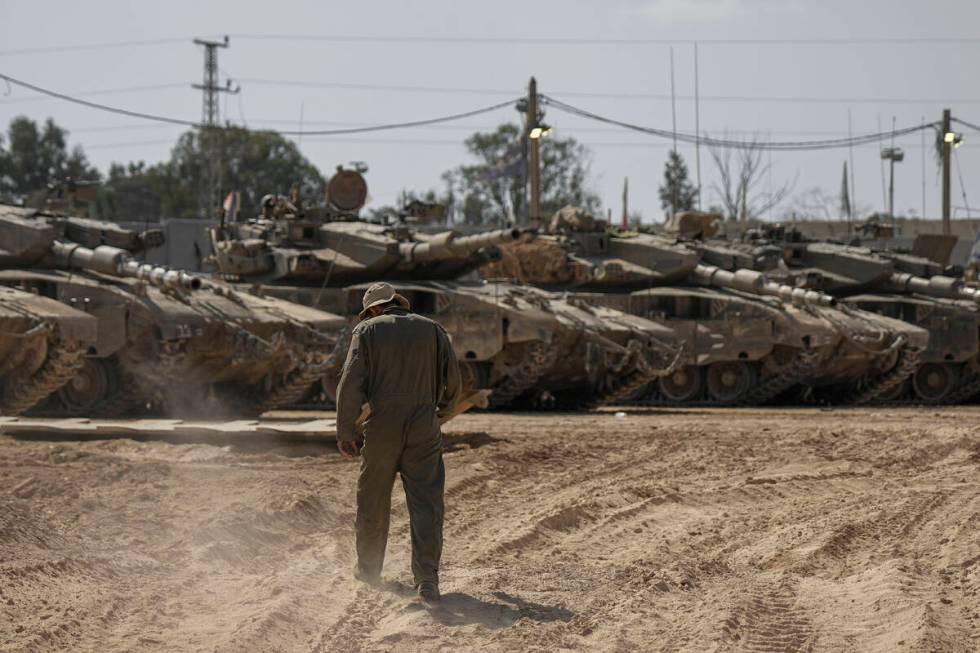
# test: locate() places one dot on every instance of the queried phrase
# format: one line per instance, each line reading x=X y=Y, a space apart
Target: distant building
x=187 y=243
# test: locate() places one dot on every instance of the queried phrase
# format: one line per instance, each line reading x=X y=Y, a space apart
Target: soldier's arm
x=352 y=389
x=452 y=382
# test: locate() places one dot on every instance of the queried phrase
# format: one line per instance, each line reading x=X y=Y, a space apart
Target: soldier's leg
x=379 y=463
x=424 y=478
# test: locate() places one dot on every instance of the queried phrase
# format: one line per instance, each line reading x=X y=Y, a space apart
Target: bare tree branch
x=738 y=184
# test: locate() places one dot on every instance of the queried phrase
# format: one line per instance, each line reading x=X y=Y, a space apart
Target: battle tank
x=166 y=340
x=750 y=338
x=900 y=285
x=42 y=347
x=510 y=339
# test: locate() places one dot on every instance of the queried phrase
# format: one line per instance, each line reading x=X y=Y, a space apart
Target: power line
x=450 y=127
x=379 y=87
x=92 y=46
x=399 y=125
x=466 y=40
x=439 y=141
x=612 y=95
x=967 y=124
x=736 y=144
x=411 y=88
x=95 y=105
x=104 y=91
x=321 y=132
x=507 y=40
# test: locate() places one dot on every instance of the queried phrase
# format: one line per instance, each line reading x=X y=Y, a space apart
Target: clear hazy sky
x=746 y=88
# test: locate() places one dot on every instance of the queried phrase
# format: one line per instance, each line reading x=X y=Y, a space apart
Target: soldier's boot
x=428 y=591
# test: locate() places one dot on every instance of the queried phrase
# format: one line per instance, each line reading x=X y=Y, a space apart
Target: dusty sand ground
x=774 y=530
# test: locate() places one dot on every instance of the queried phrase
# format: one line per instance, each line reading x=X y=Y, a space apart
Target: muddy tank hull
x=210 y=352
x=520 y=342
x=948 y=371
x=42 y=347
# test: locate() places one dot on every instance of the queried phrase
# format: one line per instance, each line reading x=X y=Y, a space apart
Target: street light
x=953 y=138
x=892 y=154
x=539 y=132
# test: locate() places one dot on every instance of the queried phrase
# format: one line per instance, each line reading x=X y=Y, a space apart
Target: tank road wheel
x=683 y=385
x=95 y=382
x=729 y=381
x=932 y=382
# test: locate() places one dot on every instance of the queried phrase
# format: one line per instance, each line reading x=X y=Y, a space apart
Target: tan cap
x=381 y=293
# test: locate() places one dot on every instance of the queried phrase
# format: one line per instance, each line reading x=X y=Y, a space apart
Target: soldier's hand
x=348 y=449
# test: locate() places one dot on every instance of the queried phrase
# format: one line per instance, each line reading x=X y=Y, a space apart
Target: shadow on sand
x=460 y=609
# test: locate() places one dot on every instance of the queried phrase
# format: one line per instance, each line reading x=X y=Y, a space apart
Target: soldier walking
x=403 y=366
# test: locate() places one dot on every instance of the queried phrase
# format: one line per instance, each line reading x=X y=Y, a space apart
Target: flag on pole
x=845 y=195
x=232 y=205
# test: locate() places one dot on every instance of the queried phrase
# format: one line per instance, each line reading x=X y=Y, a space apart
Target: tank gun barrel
x=117 y=262
x=448 y=245
x=935 y=286
x=756 y=283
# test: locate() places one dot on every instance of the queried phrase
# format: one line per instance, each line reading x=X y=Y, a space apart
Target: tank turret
x=334 y=248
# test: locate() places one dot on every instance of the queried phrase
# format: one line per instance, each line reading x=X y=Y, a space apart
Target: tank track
x=967 y=389
x=620 y=386
x=294 y=387
x=797 y=370
x=905 y=366
x=62 y=363
x=538 y=358
x=129 y=399
x=805 y=363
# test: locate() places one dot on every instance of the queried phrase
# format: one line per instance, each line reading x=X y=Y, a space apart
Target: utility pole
x=948 y=138
x=697 y=123
x=892 y=154
x=624 y=221
x=533 y=136
x=209 y=121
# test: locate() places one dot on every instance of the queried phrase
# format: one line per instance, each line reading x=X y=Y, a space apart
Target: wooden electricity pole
x=534 y=153
x=947 y=146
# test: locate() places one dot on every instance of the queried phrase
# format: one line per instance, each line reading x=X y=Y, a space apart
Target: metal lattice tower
x=210 y=134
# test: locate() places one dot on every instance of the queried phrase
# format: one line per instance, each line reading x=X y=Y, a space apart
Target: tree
x=738 y=184
x=492 y=189
x=253 y=163
x=819 y=204
x=677 y=193
x=36 y=159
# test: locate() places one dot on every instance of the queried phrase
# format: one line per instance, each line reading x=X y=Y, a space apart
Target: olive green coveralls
x=404 y=367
